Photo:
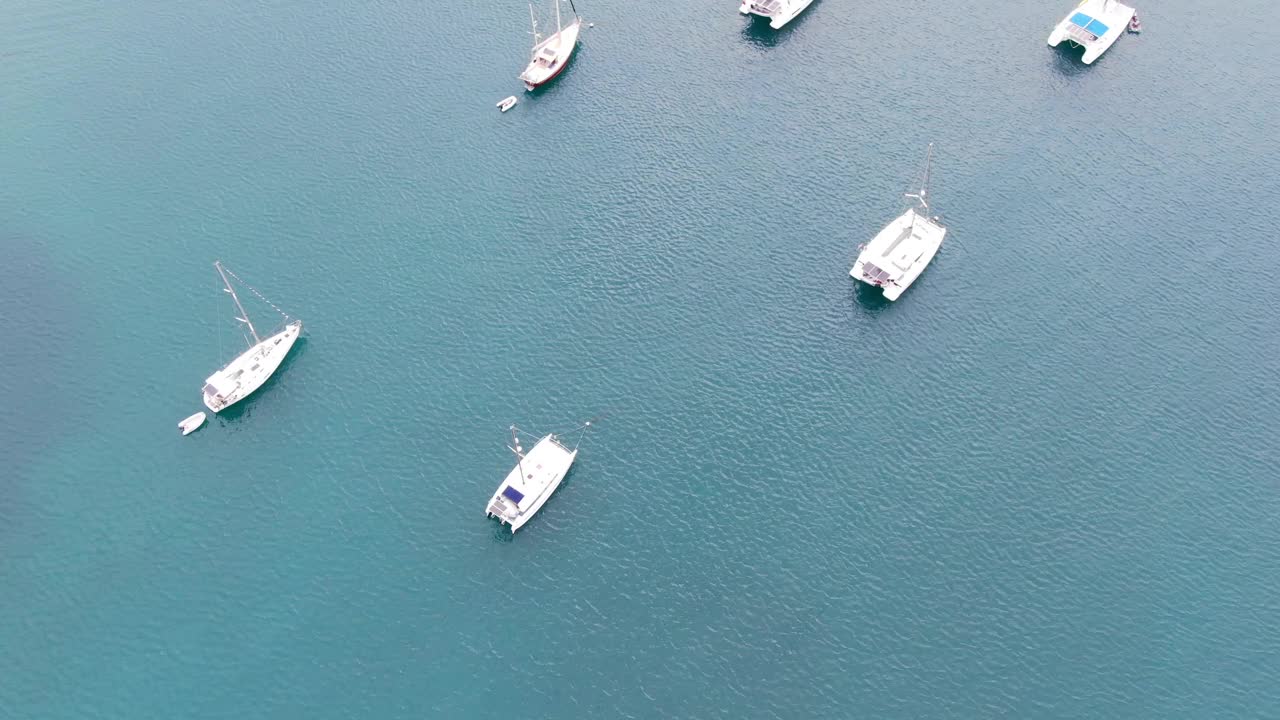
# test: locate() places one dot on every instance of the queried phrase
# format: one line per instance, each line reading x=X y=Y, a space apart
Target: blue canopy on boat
x=515 y=495
x=1089 y=24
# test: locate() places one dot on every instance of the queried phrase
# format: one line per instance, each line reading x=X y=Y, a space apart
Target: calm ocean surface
x=1044 y=484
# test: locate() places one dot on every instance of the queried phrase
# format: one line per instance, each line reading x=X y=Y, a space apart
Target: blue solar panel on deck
x=515 y=495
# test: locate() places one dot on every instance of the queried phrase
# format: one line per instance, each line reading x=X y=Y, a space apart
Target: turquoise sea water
x=1043 y=484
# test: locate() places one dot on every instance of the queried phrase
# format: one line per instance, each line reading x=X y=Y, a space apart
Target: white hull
x=551 y=56
x=1094 y=25
x=530 y=484
x=242 y=376
x=899 y=253
x=192 y=423
x=779 y=12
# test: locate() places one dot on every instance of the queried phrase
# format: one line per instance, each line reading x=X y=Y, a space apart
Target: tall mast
x=557 y=2
x=533 y=20
x=244 y=316
x=923 y=195
x=515 y=448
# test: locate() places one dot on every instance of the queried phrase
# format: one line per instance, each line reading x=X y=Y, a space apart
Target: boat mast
x=923 y=195
x=557 y=16
x=534 y=20
x=244 y=316
x=515 y=448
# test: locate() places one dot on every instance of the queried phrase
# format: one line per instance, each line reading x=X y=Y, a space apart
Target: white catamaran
x=779 y=12
x=550 y=56
x=536 y=475
x=899 y=253
x=240 y=377
x=1094 y=25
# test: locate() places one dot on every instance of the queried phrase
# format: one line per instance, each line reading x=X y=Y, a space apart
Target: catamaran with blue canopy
x=530 y=483
x=1093 y=25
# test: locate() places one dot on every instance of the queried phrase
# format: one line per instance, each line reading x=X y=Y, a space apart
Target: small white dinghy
x=192 y=423
x=507 y=103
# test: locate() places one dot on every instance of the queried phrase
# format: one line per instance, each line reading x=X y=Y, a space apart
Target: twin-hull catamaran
x=252 y=368
x=550 y=56
x=900 y=252
x=779 y=12
x=1094 y=25
x=530 y=483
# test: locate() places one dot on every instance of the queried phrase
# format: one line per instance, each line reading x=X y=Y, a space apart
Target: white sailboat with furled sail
x=551 y=56
x=536 y=475
x=252 y=368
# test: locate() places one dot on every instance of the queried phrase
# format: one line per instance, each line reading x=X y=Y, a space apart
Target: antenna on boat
x=923 y=195
x=244 y=316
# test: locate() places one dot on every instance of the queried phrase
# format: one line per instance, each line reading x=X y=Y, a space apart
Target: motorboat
x=507 y=103
x=1094 y=25
x=252 y=368
x=779 y=12
x=191 y=424
x=531 y=482
x=552 y=55
x=897 y=255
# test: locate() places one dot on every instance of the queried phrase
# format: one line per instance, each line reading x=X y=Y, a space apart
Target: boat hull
x=192 y=423
x=776 y=20
x=899 y=254
x=251 y=370
x=1113 y=16
x=565 y=43
x=544 y=468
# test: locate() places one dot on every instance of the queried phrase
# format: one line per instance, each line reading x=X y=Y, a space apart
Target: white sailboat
x=779 y=12
x=551 y=56
x=530 y=483
x=899 y=253
x=240 y=377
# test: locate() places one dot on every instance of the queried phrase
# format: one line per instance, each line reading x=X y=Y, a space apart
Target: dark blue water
x=1043 y=484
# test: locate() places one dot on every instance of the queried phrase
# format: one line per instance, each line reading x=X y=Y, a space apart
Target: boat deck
x=540 y=468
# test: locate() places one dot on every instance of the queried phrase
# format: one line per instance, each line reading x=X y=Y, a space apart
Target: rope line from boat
x=534 y=436
x=256 y=293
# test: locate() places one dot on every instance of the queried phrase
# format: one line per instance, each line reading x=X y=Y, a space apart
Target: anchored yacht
x=252 y=368
x=530 y=483
x=899 y=253
x=550 y=56
x=779 y=12
x=1094 y=25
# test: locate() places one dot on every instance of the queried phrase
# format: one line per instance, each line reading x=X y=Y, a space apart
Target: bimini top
x=1093 y=26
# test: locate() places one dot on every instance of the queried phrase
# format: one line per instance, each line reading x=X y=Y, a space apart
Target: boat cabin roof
x=536 y=470
x=1089 y=24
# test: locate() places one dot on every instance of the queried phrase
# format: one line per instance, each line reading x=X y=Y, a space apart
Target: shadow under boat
x=869 y=297
x=1067 y=59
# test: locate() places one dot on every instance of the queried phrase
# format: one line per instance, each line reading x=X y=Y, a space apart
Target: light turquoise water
x=1041 y=485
